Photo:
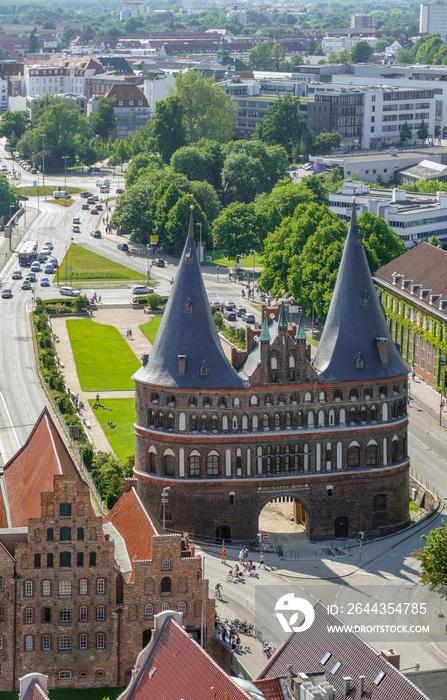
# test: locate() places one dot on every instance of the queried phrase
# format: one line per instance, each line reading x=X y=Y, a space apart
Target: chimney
x=145 y=359
x=347 y=684
x=361 y=685
x=393 y=657
x=181 y=360
x=382 y=348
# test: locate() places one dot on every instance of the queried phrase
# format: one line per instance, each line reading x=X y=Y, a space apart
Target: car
x=308 y=166
x=48 y=244
x=159 y=262
x=85 y=206
x=53 y=261
x=96 y=234
x=31 y=276
x=23 y=196
x=26 y=284
x=34 y=171
x=69 y=291
x=91 y=200
x=17 y=275
x=230 y=316
x=49 y=269
x=95 y=197
x=229 y=305
x=35 y=267
x=45 y=282
x=292 y=168
x=86 y=195
x=141 y=289
x=76 y=228
x=99 y=207
x=119 y=190
x=42 y=255
x=123 y=246
x=76 y=220
x=6 y=293
x=94 y=211
x=240 y=310
x=248 y=318
x=216 y=305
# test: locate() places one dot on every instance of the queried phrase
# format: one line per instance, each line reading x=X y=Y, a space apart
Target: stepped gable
x=32 y=469
x=356 y=343
x=187 y=352
x=134 y=525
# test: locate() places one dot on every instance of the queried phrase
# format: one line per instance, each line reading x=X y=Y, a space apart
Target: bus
x=27 y=253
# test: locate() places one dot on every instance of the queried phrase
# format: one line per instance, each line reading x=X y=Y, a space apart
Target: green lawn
x=104 y=361
x=247 y=263
x=91 y=266
x=122 y=438
x=75 y=694
x=46 y=191
x=150 y=329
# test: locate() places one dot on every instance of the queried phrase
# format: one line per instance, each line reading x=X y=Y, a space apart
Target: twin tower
x=328 y=434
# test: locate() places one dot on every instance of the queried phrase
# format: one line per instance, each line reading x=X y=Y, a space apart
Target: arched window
x=169 y=463
x=288 y=421
x=244 y=422
x=28 y=589
x=265 y=421
x=273 y=363
x=181 y=607
x=193 y=423
x=255 y=423
x=170 y=422
x=281 y=400
x=154 y=397
x=165 y=606
x=224 y=423
x=100 y=640
x=338 y=395
x=320 y=419
x=65 y=675
x=170 y=401
x=29 y=642
x=166 y=585
x=277 y=421
x=307 y=397
x=322 y=397
x=214 y=424
x=192 y=402
x=353 y=395
x=182 y=422
x=83 y=586
x=291 y=361
x=65 y=615
x=371 y=454
x=221 y=402
x=253 y=400
x=204 y=424
x=83 y=613
x=207 y=403
x=236 y=402
x=294 y=399
x=29 y=616
x=331 y=417
x=65 y=587
x=148 y=610
x=310 y=419
x=363 y=415
x=212 y=464
x=373 y=414
x=367 y=393
x=194 y=465
x=394 y=450
x=353 y=416
x=100 y=613
x=46 y=615
x=166 y=565
x=383 y=392
x=46 y=642
x=384 y=412
x=354 y=455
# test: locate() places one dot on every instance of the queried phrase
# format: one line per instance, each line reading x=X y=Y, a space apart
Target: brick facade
x=67 y=609
x=341 y=446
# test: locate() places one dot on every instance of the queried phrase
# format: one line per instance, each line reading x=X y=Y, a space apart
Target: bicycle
x=218 y=592
x=234 y=577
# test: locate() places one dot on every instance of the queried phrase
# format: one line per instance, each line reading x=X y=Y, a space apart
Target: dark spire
x=355 y=326
x=187 y=351
x=283 y=321
x=265 y=333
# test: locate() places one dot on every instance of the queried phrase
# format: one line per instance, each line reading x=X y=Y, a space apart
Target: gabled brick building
x=330 y=435
x=78 y=593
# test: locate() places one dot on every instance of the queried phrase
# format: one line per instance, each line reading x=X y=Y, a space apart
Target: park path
x=123 y=319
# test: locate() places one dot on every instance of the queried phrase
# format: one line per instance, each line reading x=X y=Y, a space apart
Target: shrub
x=81 y=303
x=154 y=301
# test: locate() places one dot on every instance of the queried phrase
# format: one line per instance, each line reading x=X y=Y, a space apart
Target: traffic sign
x=265 y=537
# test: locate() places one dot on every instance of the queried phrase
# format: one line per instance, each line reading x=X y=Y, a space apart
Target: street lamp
x=313 y=309
x=149 y=264
x=253 y=252
x=43 y=159
x=164 y=500
x=64 y=158
x=441 y=383
x=199 y=223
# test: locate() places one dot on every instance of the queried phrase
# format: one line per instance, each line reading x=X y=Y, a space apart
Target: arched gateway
x=225 y=437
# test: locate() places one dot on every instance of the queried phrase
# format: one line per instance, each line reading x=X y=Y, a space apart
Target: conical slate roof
x=187 y=330
x=355 y=327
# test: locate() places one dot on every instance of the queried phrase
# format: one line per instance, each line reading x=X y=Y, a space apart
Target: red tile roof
x=177 y=667
x=126 y=92
x=131 y=520
x=270 y=688
x=36 y=692
x=305 y=651
x=31 y=470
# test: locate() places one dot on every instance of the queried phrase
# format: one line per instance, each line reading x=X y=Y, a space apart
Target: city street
x=385 y=572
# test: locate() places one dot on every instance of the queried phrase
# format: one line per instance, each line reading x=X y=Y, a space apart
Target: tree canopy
x=284 y=126
x=433 y=560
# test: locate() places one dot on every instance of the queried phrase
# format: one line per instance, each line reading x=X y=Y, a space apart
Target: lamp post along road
x=441 y=383
x=43 y=159
x=65 y=180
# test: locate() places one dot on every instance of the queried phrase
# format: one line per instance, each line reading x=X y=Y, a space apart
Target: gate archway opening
x=284 y=518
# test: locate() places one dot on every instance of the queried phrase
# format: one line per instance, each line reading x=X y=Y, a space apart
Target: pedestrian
x=224 y=634
x=261 y=560
x=241 y=556
x=99 y=299
x=97 y=397
x=413 y=373
x=223 y=555
x=233 y=644
x=130 y=333
x=127 y=334
x=238 y=641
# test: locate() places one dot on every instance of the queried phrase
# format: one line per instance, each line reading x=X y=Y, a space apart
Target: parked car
x=85 y=206
x=229 y=305
x=34 y=171
x=26 y=284
x=45 y=282
x=35 y=266
x=240 y=310
x=69 y=291
x=95 y=234
x=123 y=246
x=6 y=293
x=31 y=276
x=141 y=289
x=159 y=262
x=119 y=190
x=230 y=316
x=17 y=275
x=216 y=305
x=248 y=318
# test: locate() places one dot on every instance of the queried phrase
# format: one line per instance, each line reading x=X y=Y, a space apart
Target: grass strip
x=122 y=438
x=91 y=266
x=150 y=329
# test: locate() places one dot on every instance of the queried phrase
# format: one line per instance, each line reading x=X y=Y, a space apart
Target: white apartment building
x=342 y=43
x=413 y=216
x=433 y=19
x=3 y=95
x=158 y=89
x=59 y=75
x=132 y=9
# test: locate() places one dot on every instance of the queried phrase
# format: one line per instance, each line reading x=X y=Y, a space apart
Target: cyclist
x=218 y=590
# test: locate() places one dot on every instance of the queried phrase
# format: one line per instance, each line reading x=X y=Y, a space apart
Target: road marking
x=10 y=421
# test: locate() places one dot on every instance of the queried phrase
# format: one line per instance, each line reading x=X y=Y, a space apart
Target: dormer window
x=365 y=298
x=188 y=307
x=189 y=258
x=204 y=369
x=359 y=362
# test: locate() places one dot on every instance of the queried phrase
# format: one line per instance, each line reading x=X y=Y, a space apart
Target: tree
x=278 y=56
x=381 y=243
x=190 y=161
x=103 y=121
x=435 y=241
x=140 y=165
x=206 y=196
x=327 y=141
x=168 y=129
x=422 y=132
x=405 y=132
x=13 y=123
x=260 y=57
x=33 y=44
x=208 y=112
x=178 y=222
x=361 y=52
x=60 y=122
x=235 y=231
x=433 y=559
x=283 y=125
x=8 y=197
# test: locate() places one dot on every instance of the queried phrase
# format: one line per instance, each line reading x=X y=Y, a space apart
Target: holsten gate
x=228 y=438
